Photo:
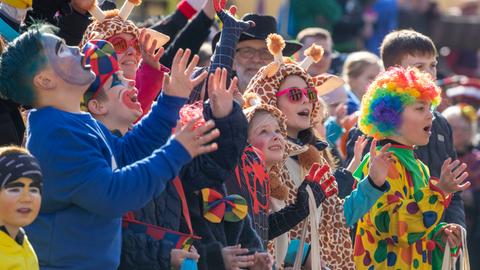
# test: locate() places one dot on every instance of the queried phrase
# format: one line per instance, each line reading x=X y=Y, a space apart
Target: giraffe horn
x=127 y=8
x=97 y=13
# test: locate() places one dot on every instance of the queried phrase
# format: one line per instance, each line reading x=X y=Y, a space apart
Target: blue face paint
x=66 y=61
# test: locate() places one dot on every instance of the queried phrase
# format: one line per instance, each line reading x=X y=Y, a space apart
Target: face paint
x=20 y=202
x=66 y=61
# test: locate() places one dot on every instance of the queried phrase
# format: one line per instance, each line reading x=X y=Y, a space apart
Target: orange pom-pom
x=111 y=13
x=135 y=2
x=315 y=52
x=275 y=44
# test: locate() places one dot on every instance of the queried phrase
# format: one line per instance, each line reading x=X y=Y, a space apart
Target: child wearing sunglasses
x=138 y=51
x=287 y=86
x=20 y=197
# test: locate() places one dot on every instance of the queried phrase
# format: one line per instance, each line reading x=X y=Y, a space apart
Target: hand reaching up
x=360 y=145
x=452 y=176
x=179 y=82
x=321 y=182
x=221 y=98
x=322 y=176
x=149 y=56
x=379 y=163
x=197 y=141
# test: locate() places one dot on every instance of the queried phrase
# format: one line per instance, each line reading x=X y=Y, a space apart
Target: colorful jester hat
x=266 y=83
x=102 y=59
x=113 y=22
x=388 y=95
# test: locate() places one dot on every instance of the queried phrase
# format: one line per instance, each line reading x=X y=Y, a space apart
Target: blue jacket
x=91 y=178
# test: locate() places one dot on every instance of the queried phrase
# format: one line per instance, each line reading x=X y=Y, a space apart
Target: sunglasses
x=295 y=94
x=121 y=45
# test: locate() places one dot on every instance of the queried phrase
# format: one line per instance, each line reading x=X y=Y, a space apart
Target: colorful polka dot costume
x=399 y=231
x=387 y=96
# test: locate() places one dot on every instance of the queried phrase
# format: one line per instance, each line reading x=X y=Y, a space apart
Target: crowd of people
x=128 y=147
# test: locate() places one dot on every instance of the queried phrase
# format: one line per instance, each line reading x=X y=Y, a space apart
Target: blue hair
x=20 y=62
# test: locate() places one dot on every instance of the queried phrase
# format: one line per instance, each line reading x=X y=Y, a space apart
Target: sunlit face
x=264 y=134
x=66 y=61
x=360 y=83
x=426 y=63
x=127 y=50
x=122 y=102
x=250 y=56
x=416 y=124
x=298 y=113
x=323 y=65
x=19 y=202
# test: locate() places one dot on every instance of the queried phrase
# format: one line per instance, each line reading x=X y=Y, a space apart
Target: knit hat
x=113 y=22
x=102 y=59
x=389 y=94
x=16 y=165
x=266 y=83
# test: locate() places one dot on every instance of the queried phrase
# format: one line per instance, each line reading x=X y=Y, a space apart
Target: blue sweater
x=91 y=178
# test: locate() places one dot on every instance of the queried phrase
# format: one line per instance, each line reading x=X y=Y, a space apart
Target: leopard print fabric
x=108 y=28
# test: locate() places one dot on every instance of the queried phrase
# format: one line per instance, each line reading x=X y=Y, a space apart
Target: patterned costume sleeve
x=402 y=215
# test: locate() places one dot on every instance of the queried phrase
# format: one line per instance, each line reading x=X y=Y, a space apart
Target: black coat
x=12 y=127
x=140 y=251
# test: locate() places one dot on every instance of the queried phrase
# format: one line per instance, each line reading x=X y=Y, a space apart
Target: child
x=91 y=177
x=400 y=230
x=112 y=100
x=20 y=197
x=287 y=86
x=408 y=48
x=138 y=50
x=265 y=157
x=359 y=69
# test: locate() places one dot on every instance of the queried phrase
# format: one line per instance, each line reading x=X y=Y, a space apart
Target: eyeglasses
x=121 y=45
x=295 y=94
x=248 y=52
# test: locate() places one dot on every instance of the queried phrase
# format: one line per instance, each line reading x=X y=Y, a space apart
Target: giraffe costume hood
x=328 y=236
x=107 y=24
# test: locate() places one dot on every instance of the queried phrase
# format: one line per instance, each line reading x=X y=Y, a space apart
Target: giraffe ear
x=326 y=83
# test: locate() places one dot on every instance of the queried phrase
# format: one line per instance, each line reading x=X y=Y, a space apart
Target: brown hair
x=313 y=32
x=356 y=63
x=398 y=44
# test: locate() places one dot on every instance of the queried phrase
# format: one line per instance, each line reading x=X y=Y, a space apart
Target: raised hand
x=149 y=56
x=234 y=258
x=452 y=176
x=197 y=141
x=321 y=175
x=179 y=82
x=221 y=98
x=360 y=145
x=379 y=163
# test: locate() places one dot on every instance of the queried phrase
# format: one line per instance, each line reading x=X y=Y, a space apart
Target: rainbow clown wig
x=389 y=94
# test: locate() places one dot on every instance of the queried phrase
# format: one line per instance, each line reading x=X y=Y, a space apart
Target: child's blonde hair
x=356 y=62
